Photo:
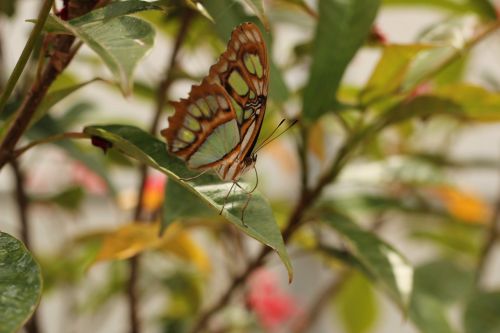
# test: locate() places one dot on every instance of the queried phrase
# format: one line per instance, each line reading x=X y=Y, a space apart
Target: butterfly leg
x=249 y=197
x=194 y=177
x=225 y=198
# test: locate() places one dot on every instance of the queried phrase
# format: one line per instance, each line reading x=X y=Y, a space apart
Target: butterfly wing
x=217 y=126
x=203 y=129
x=243 y=71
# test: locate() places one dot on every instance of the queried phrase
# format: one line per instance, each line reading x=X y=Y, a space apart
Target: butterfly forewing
x=243 y=70
x=218 y=124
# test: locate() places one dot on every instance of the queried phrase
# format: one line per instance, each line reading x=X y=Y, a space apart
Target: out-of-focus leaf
x=258 y=218
x=51 y=99
x=482 y=314
x=200 y=8
x=135 y=238
x=389 y=268
x=70 y=198
x=484 y=8
x=258 y=8
x=452 y=39
x=454 y=238
x=465 y=206
x=185 y=296
x=69 y=265
x=390 y=70
x=478 y=103
x=181 y=203
x=8 y=7
x=121 y=41
x=178 y=241
x=357 y=304
x=316 y=141
x=342 y=29
x=429 y=314
x=228 y=15
x=422 y=107
x=20 y=284
x=444 y=280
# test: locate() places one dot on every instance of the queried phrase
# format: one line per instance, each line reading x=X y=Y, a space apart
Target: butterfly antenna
x=270 y=138
x=270 y=135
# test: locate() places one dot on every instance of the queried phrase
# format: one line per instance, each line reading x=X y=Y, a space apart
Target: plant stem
x=25 y=55
x=22 y=207
x=34 y=97
x=161 y=100
x=49 y=139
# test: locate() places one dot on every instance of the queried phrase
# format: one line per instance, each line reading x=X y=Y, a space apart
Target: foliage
x=360 y=184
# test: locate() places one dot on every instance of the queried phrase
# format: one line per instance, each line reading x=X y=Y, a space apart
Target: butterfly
x=217 y=126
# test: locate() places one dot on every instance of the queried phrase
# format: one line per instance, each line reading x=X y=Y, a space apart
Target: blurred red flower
x=273 y=307
x=154 y=190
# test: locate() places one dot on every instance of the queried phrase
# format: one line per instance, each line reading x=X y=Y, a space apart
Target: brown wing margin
x=208 y=105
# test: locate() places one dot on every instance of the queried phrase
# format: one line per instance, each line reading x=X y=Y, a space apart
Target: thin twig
x=25 y=55
x=161 y=99
x=50 y=139
x=22 y=208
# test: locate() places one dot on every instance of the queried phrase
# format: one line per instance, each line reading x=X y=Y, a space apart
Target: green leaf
x=386 y=265
x=20 y=284
x=444 y=280
x=258 y=8
x=422 y=107
x=429 y=314
x=259 y=220
x=181 y=203
x=357 y=305
x=477 y=103
x=69 y=199
x=482 y=313
x=483 y=8
x=8 y=7
x=391 y=70
x=342 y=29
x=120 y=41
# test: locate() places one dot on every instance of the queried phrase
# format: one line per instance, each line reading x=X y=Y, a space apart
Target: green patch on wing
x=238 y=83
x=220 y=142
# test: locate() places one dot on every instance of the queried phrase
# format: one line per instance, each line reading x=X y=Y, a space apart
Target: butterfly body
x=217 y=126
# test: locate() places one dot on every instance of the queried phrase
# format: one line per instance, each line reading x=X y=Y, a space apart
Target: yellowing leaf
x=391 y=70
x=317 y=141
x=135 y=238
x=127 y=241
x=463 y=205
x=478 y=103
x=177 y=240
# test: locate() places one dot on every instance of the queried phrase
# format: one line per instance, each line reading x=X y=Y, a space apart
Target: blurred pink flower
x=88 y=179
x=273 y=307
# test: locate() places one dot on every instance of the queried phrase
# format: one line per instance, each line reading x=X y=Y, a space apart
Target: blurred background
x=451 y=166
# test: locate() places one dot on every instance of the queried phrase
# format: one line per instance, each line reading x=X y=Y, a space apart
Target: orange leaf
x=317 y=141
x=463 y=205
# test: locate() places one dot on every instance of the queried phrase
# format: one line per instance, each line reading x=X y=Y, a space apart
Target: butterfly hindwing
x=203 y=128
